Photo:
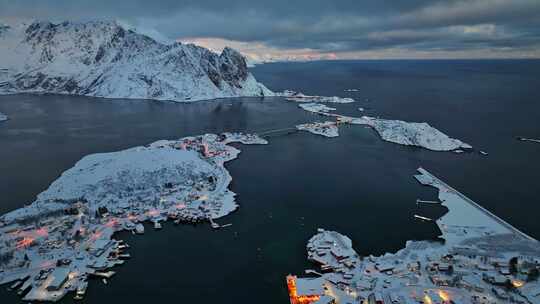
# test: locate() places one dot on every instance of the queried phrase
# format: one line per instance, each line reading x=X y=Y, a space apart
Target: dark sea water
x=355 y=184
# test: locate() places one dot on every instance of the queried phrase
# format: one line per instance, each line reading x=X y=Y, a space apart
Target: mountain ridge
x=104 y=59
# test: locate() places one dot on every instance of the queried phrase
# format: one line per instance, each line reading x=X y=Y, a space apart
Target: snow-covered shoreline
x=3 y=117
x=74 y=220
x=326 y=129
x=300 y=97
x=316 y=108
x=396 y=131
x=411 y=134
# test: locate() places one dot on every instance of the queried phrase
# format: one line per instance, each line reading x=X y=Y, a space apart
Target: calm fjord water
x=356 y=183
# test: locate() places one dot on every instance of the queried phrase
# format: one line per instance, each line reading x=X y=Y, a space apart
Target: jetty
x=215 y=225
x=419 y=201
x=426 y=178
x=423 y=218
x=311 y=271
x=529 y=139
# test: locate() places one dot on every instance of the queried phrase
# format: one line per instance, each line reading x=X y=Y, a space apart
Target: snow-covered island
x=396 y=131
x=105 y=59
x=3 y=117
x=327 y=128
x=409 y=133
x=316 y=107
x=300 y=97
x=52 y=246
x=482 y=260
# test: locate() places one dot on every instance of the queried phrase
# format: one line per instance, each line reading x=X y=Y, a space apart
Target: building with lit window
x=306 y=290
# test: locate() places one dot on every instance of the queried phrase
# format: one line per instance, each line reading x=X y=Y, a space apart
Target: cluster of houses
x=327 y=129
x=420 y=273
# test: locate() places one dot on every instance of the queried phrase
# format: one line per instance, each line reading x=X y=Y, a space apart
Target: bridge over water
x=277 y=132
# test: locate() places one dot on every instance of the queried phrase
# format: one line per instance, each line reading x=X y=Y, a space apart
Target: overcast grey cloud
x=489 y=27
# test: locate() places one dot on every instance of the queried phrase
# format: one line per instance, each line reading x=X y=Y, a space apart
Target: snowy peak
x=96 y=42
x=233 y=65
x=103 y=59
x=61 y=38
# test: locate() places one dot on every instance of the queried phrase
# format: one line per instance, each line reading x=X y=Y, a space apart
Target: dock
x=104 y=275
x=419 y=201
x=81 y=291
x=423 y=218
x=215 y=225
x=529 y=139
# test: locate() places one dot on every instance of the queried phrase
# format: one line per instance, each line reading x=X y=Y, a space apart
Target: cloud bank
x=311 y=29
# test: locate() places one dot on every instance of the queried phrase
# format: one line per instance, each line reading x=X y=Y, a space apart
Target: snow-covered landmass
x=411 y=134
x=53 y=245
x=103 y=59
x=352 y=90
x=316 y=108
x=300 y=97
x=483 y=259
x=327 y=129
x=246 y=139
x=396 y=131
x=3 y=117
x=462 y=211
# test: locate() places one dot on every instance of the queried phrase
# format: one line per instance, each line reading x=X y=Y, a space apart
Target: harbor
x=467 y=212
x=482 y=260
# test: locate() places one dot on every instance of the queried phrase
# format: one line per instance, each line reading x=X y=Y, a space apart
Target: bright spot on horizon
x=257 y=52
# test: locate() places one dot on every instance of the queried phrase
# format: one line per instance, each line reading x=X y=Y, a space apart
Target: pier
x=419 y=201
x=529 y=139
x=311 y=271
x=422 y=218
x=215 y=225
x=435 y=180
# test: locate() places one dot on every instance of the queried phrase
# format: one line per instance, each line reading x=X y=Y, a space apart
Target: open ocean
x=356 y=184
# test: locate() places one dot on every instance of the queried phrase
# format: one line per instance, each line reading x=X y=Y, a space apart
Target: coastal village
x=78 y=77
x=53 y=246
x=482 y=260
x=327 y=128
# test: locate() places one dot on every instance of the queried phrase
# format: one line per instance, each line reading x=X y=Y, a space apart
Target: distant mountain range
x=104 y=59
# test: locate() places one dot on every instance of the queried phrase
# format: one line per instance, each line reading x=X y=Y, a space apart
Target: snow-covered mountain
x=103 y=59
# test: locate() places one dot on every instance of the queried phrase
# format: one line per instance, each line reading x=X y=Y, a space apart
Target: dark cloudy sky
x=320 y=28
